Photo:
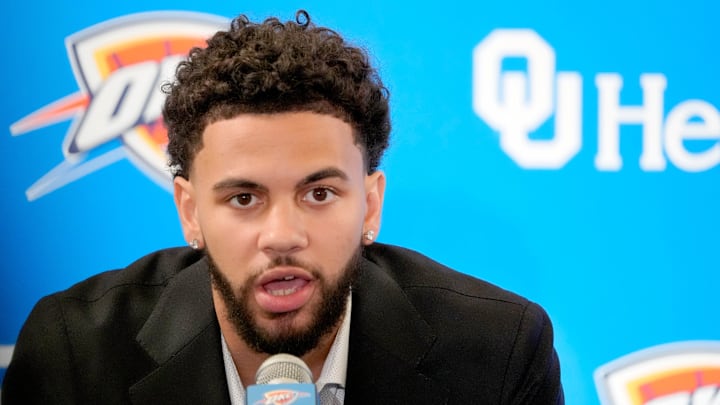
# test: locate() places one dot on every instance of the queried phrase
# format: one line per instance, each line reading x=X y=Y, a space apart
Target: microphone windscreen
x=283 y=369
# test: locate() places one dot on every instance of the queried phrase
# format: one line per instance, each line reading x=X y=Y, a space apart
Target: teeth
x=281 y=293
x=288 y=278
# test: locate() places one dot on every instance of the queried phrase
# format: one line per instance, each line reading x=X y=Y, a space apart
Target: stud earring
x=194 y=244
x=369 y=235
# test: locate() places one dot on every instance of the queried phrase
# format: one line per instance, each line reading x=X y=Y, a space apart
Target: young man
x=276 y=133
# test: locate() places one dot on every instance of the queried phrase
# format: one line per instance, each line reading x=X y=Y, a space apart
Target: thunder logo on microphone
x=119 y=66
x=282 y=379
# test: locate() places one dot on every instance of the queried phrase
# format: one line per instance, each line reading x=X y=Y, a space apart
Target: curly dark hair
x=275 y=67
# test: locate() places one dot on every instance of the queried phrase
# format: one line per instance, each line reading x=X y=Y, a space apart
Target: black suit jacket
x=420 y=333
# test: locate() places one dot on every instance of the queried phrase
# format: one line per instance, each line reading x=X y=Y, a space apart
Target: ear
x=186 y=205
x=374 y=194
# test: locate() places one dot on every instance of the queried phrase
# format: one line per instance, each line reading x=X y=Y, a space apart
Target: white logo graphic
x=517 y=102
x=6 y=352
x=683 y=373
x=119 y=65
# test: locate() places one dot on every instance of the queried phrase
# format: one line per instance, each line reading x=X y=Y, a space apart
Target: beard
x=285 y=337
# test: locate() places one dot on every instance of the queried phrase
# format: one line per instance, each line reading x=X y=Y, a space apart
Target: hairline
x=213 y=116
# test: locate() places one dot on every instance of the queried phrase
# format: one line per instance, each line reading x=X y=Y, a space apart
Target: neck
x=247 y=360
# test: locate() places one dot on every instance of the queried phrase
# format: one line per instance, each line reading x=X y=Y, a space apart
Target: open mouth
x=284 y=289
x=286 y=286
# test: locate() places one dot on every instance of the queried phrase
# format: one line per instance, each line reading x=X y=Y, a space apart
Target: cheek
x=338 y=237
x=231 y=245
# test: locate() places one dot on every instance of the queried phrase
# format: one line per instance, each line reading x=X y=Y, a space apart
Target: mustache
x=289 y=261
x=285 y=261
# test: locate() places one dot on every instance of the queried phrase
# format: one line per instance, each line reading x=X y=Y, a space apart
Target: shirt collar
x=334 y=370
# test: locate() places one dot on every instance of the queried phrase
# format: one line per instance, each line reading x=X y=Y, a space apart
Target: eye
x=244 y=200
x=320 y=196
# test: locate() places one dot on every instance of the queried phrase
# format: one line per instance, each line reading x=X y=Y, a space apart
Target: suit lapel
x=388 y=342
x=183 y=337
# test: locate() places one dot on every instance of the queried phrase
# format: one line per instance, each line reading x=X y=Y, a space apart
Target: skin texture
x=277 y=195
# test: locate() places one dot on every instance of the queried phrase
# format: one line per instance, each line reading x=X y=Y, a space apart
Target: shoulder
x=152 y=270
x=452 y=301
x=114 y=299
x=413 y=271
x=72 y=338
x=491 y=341
x=108 y=306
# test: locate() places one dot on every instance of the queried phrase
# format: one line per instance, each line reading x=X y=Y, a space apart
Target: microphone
x=282 y=379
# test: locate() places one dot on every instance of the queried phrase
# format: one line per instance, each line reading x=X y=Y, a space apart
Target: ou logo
x=517 y=102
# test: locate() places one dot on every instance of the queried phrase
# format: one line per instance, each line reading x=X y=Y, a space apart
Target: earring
x=369 y=235
x=194 y=244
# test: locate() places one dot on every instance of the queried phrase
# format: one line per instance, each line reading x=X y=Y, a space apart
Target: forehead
x=262 y=144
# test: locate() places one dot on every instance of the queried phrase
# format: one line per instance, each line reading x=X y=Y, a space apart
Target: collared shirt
x=330 y=385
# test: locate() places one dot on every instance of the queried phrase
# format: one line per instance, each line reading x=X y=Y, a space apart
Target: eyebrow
x=235 y=183
x=322 y=174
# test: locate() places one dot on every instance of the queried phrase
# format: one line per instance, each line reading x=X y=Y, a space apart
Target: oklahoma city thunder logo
x=119 y=66
x=685 y=373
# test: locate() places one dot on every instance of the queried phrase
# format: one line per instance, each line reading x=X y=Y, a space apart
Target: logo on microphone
x=281 y=397
x=119 y=66
x=684 y=373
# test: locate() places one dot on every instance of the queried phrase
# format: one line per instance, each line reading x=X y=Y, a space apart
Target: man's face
x=280 y=202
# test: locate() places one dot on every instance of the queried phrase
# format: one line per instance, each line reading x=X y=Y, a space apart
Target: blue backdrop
x=565 y=150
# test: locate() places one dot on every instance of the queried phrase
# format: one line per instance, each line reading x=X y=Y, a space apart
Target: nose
x=283 y=230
